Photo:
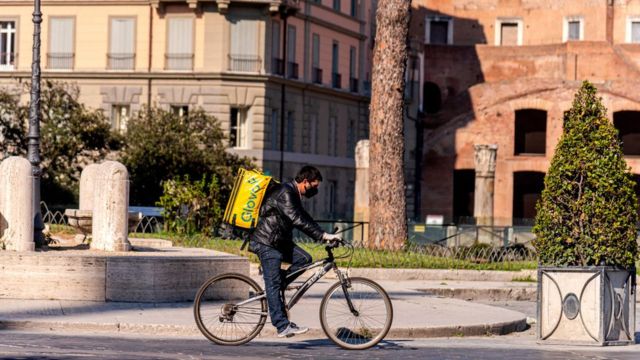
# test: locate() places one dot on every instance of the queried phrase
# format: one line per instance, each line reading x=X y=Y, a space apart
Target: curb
x=498 y=294
x=267 y=332
x=428 y=274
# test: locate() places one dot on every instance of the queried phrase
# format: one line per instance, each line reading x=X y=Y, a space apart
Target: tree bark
x=387 y=199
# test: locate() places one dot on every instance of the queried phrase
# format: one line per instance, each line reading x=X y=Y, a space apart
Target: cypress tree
x=587 y=213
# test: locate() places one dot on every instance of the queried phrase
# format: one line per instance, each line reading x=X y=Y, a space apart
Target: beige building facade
x=224 y=56
x=503 y=72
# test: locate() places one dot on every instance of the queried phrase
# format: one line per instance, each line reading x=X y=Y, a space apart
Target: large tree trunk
x=388 y=213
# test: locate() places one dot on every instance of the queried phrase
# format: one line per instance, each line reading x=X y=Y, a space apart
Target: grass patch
x=62 y=229
x=362 y=258
x=527 y=278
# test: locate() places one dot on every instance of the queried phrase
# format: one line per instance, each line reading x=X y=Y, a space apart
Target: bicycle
x=355 y=313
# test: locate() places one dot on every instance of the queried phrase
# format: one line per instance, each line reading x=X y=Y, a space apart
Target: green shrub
x=190 y=206
x=587 y=214
x=160 y=145
x=71 y=137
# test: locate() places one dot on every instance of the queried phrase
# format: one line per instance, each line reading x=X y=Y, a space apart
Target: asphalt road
x=65 y=346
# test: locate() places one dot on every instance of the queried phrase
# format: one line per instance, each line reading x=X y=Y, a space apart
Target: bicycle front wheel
x=364 y=326
x=230 y=309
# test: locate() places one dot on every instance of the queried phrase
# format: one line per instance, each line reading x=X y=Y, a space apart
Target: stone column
x=485 y=164
x=361 y=196
x=87 y=180
x=16 y=204
x=111 y=208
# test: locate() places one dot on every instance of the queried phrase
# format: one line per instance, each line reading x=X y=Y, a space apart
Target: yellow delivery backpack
x=246 y=197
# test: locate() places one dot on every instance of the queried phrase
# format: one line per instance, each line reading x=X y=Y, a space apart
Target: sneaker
x=292 y=329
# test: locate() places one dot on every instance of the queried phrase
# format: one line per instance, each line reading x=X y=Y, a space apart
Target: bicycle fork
x=346 y=284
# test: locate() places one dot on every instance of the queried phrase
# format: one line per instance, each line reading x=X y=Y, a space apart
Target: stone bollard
x=361 y=196
x=16 y=204
x=111 y=208
x=87 y=179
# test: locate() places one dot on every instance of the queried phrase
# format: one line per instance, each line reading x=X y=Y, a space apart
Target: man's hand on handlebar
x=332 y=240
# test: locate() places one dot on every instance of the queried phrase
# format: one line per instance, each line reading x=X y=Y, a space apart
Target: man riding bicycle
x=272 y=241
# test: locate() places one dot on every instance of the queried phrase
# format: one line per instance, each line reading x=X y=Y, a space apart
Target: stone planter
x=81 y=220
x=586 y=305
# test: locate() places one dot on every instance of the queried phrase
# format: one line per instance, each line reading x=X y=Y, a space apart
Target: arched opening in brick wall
x=432 y=96
x=628 y=125
x=464 y=183
x=527 y=188
x=530 y=131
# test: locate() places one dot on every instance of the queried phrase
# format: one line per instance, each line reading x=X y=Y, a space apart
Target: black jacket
x=280 y=213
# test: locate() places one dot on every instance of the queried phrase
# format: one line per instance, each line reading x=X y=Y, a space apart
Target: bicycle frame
x=326 y=265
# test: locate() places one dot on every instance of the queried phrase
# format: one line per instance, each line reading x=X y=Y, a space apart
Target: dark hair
x=308 y=173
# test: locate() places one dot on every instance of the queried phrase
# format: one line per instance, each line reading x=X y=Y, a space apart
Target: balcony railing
x=60 y=61
x=316 y=75
x=179 y=61
x=292 y=68
x=245 y=63
x=121 y=61
x=336 y=80
x=7 y=61
x=353 y=84
x=277 y=67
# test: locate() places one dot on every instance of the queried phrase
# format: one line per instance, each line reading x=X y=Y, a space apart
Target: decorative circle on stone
x=571 y=306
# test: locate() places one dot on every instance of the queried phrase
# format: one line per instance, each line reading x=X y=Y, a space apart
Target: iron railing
x=316 y=75
x=179 y=61
x=121 y=61
x=245 y=63
x=292 y=68
x=60 y=61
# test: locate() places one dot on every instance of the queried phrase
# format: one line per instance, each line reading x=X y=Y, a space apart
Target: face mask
x=310 y=192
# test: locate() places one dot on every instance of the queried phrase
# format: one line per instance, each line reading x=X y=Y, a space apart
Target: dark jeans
x=275 y=278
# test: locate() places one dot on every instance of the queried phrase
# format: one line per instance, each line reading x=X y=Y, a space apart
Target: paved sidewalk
x=416 y=314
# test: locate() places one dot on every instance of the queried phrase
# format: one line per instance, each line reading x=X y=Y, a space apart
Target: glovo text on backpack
x=246 y=197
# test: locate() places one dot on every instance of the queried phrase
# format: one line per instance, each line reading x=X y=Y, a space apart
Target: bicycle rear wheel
x=230 y=310
x=362 y=328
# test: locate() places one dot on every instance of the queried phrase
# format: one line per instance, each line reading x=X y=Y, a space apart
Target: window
x=277 y=66
x=313 y=133
x=122 y=44
x=275 y=130
x=628 y=125
x=527 y=187
x=439 y=30
x=351 y=137
x=508 y=32
x=633 y=30
x=180 y=44
x=290 y=131
x=336 y=5
x=292 y=66
x=119 y=117
x=354 y=8
x=331 y=198
x=316 y=72
x=7 y=45
x=353 y=80
x=463 y=194
x=530 y=131
x=180 y=110
x=573 y=28
x=243 y=54
x=335 y=66
x=333 y=134
x=61 y=44
x=239 y=134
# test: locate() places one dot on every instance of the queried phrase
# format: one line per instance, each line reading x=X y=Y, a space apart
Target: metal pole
x=33 y=153
x=284 y=14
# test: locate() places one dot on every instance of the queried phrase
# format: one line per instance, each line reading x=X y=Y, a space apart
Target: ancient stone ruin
x=16 y=205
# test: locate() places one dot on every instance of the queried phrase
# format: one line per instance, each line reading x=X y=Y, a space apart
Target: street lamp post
x=286 y=10
x=33 y=153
